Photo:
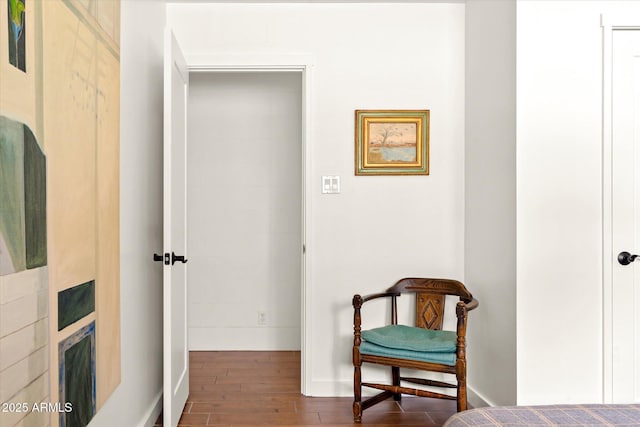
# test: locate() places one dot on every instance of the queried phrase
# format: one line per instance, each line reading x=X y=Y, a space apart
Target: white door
x=175 y=348
x=626 y=216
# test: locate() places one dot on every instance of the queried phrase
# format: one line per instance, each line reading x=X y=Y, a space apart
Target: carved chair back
x=430 y=297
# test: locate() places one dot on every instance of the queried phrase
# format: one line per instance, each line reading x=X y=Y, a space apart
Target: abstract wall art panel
x=25 y=335
x=59 y=206
x=81 y=106
x=77 y=377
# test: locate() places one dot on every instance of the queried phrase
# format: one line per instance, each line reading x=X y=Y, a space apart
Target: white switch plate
x=330 y=184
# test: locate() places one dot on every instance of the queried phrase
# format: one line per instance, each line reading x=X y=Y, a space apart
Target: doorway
x=245 y=210
x=621 y=295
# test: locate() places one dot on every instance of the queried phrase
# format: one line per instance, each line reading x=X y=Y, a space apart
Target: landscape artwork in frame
x=392 y=142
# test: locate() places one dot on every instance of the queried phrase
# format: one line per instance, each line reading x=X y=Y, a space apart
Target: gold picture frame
x=392 y=142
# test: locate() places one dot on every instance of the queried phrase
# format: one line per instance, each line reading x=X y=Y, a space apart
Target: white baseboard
x=477 y=400
x=152 y=414
x=329 y=389
x=247 y=339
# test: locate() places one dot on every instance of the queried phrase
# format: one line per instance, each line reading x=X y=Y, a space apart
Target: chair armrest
x=472 y=304
x=462 y=308
x=358 y=300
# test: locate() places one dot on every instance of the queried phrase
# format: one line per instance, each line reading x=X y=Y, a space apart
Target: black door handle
x=625 y=258
x=161 y=258
x=175 y=258
x=166 y=257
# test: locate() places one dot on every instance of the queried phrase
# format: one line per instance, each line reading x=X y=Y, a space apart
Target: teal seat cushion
x=402 y=337
x=407 y=342
x=433 y=357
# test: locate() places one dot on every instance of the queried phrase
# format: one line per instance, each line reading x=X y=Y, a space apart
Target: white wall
x=379 y=229
x=490 y=198
x=141 y=52
x=559 y=173
x=244 y=210
x=558 y=177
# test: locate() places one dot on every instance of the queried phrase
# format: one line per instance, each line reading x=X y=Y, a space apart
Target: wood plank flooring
x=263 y=389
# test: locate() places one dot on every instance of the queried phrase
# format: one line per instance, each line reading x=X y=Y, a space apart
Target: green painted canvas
x=12 y=246
x=23 y=191
x=17 y=33
x=78 y=377
x=75 y=303
x=77 y=374
x=35 y=202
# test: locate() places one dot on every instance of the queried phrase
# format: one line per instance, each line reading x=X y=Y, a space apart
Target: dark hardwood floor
x=263 y=388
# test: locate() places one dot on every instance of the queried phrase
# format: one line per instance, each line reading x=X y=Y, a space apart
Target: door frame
x=609 y=24
x=303 y=64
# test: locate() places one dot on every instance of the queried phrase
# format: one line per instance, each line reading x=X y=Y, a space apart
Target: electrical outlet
x=262 y=318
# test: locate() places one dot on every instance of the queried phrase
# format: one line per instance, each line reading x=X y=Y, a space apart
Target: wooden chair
x=424 y=346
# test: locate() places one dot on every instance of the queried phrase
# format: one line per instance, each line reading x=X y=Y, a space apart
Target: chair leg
x=357 y=412
x=461 y=376
x=357 y=394
x=395 y=377
x=462 y=397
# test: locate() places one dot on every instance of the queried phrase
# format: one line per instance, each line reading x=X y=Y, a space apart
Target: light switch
x=330 y=184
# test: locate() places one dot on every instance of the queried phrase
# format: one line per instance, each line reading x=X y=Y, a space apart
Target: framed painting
x=392 y=142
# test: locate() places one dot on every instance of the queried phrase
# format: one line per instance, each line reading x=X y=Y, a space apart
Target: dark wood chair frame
x=430 y=298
